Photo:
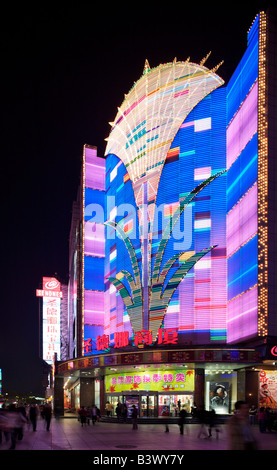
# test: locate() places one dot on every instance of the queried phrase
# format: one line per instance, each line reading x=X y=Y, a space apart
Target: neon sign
x=141 y=338
x=172 y=380
x=51 y=288
x=51 y=312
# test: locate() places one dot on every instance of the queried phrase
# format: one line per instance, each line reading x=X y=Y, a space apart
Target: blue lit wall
x=120 y=206
x=198 y=307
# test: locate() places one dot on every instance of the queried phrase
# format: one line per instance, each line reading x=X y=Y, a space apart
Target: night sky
x=64 y=71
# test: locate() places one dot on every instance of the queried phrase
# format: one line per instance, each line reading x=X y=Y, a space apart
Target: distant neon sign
x=51 y=288
x=51 y=312
x=274 y=351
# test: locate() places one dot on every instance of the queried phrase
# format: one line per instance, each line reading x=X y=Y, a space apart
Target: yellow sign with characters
x=155 y=381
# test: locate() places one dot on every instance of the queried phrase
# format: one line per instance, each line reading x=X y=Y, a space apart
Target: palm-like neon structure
x=160 y=293
x=141 y=135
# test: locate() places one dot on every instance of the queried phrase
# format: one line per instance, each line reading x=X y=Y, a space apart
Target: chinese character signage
x=51 y=294
x=268 y=389
x=154 y=381
x=141 y=338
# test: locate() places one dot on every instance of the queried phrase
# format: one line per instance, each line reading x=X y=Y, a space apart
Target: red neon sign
x=50 y=288
x=141 y=338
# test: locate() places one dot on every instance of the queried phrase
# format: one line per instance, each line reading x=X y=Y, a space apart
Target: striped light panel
x=93 y=246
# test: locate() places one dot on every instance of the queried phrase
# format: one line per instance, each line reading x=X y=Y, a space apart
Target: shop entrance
x=149 y=405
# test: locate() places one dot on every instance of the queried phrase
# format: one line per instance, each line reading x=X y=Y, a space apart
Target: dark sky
x=64 y=72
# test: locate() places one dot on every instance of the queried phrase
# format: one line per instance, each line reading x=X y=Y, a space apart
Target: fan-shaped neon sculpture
x=141 y=135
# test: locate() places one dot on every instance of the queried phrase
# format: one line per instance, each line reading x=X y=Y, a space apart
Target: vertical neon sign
x=51 y=317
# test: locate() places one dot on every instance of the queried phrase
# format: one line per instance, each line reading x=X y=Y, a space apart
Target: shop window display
x=170 y=405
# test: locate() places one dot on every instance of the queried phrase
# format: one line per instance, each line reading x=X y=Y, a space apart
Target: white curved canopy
x=152 y=112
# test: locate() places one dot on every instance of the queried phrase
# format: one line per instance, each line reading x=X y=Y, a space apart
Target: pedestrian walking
x=83 y=415
x=4 y=424
x=252 y=414
x=47 y=412
x=135 y=417
x=239 y=431
x=194 y=410
x=124 y=412
x=211 y=421
x=268 y=419
x=33 y=415
x=88 y=415
x=16 y=421
x=22 y=410
x=98 y=414
x=93 y=414
x=109 y=408
x=118 y=411
x=203 y=419
x=182 y=420
x=165 y=412
x=261 y=419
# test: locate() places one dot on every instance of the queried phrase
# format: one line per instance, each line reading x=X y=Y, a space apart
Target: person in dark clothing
x=47 y=412
x=22 y=410
x=83 y=415
x=118 y=411
x=202 y=418
x=135 y=417
x=124 y=412
x=211 y=418
x=33 y=415
x=182 y=419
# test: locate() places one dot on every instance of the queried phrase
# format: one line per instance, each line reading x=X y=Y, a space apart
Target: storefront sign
x=137 y=357
x=141 y=338
x=158 y=381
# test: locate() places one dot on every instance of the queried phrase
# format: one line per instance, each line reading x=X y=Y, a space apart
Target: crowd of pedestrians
x=87 y=414
x=15 y=417
x=240 y=430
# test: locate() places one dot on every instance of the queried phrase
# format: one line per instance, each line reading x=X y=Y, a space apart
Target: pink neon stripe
x=94 y=170
x=242 y=316
x=243 y=126
x=94 y=307
x=94 y=239
x=242 y=221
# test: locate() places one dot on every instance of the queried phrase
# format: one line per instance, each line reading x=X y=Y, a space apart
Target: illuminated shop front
x=159 y=382
x=170 y=298
x=156 y=393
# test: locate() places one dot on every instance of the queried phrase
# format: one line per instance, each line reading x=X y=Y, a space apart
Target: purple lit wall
x=93 y=247
x=94 y=171
x=94 y=239
x=242 y=194
x=243 y=126
x=242 y=222
x=242 y=315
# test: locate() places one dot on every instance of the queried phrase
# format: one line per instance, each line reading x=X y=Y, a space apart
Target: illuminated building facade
x=173 y=258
